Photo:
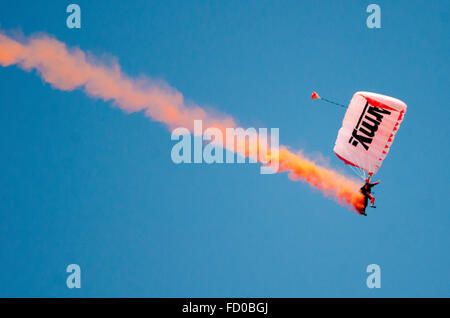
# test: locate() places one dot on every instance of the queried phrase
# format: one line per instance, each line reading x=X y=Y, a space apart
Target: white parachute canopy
x=368 y=130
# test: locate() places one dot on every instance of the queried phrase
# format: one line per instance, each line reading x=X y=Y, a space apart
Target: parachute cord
x=329 y=101
x=359 y=172
x=363 y=174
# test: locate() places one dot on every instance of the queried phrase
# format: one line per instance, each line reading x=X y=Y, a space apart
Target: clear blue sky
x=84 y=183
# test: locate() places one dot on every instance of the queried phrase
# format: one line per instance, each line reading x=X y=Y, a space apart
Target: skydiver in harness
x=365 y=190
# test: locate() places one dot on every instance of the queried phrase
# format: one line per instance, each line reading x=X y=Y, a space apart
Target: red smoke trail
x=70 y=68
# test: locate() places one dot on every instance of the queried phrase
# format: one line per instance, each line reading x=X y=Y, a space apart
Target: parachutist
x=365 y=190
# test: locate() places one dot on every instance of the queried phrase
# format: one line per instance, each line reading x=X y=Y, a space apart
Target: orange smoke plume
x=70 y=68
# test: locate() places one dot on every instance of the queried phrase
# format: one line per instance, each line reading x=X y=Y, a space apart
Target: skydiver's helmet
x=367 y=180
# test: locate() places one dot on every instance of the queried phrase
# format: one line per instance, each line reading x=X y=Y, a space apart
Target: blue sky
x=84 y=183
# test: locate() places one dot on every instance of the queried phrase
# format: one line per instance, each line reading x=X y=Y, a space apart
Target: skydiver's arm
x=375 y=183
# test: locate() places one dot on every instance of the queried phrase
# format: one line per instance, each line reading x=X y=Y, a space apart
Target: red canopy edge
x=347 y=162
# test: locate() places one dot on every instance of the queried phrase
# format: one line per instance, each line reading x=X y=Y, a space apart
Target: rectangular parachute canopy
x=368 y=130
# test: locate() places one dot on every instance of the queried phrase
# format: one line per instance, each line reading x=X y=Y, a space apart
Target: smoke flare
x=70 y=68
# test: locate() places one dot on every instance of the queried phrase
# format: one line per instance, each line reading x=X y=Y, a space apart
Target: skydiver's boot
x=363 y=213
x=372 y=201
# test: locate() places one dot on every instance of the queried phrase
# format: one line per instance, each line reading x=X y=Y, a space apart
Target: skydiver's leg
x=363 y=210
x=372 y=200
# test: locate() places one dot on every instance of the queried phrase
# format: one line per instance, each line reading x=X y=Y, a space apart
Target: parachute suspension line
x=359 y=172
x=364 y=174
